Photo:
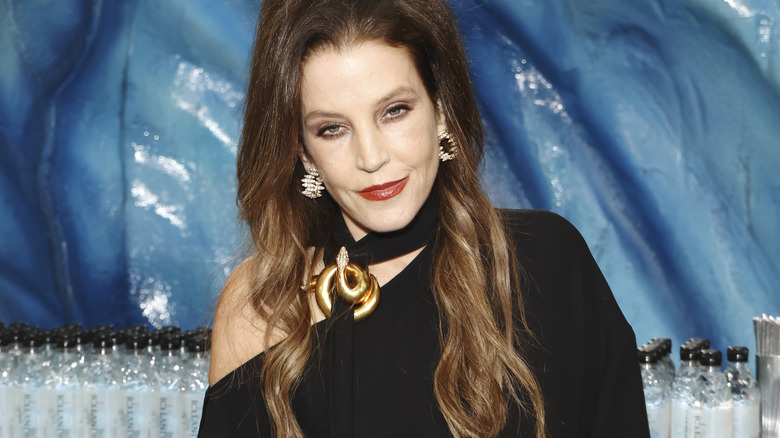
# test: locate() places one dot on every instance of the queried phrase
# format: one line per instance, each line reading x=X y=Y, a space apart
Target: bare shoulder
x=238 y=330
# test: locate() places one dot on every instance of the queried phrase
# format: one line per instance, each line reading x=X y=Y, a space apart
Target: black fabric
x=378 y=247
x=586 y=362
x=372 y=248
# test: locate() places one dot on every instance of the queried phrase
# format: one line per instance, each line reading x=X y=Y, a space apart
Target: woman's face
x=370 y=128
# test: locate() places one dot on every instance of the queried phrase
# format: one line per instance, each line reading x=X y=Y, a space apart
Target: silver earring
x=312 y=184
x=445 y=139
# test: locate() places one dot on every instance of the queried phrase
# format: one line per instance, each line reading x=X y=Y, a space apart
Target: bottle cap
x=137 y=341
x=19 y=326
x=66 y=339
x=48 y=336
x=648 y=355
x=701 y=342
x=197 y=339
x=170 y=341
x=690 y=352
x=710 y=357
x=81 y=337
x=70 y=327
x=31 y=338
x=665 y=344
x=737 y=354
x=158 y=334
x=103 y=339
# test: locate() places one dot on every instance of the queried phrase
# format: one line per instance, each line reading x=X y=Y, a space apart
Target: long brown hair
x=483 y=332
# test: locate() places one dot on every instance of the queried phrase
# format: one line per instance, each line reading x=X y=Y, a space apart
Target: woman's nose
x=371 y=151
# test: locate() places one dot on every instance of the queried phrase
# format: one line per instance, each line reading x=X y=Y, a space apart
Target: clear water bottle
x=744 y=392
x=6 y=368
x=682 y=387
x=100 y=389
x=32 y=380
x=713 y=408
x=164 y=397
x=665 y=362
x=195 y=374
x=66 y=391
x=136 y=385
x=657 y=392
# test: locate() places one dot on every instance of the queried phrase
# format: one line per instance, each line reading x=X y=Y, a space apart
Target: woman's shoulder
x=238 y=332
x=542 y=232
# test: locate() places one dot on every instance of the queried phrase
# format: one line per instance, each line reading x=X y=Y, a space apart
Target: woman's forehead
x=363 y=74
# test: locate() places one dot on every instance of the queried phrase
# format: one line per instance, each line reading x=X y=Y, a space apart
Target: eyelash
x=403 y=107
x=323 y=132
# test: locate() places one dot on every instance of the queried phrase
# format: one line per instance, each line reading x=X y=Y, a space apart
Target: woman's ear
x=308 y=163
x=441 y=119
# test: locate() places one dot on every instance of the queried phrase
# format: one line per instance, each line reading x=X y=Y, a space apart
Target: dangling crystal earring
x=312 y=184
x=452 y=147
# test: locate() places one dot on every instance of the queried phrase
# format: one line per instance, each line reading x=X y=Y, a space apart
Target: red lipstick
x=381 y=192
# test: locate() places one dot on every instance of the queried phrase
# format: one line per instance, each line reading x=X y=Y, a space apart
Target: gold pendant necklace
x=352 y=283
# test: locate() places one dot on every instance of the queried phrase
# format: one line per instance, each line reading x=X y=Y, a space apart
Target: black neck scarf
x=373 y=248
x=380 y=247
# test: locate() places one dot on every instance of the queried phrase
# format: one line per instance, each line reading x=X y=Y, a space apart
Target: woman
x=487 y=324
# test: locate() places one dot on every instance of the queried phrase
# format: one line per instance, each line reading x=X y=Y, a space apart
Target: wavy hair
x=483 y=333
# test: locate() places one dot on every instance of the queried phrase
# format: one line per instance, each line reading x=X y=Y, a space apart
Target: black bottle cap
x=160 y=333
x=665 y=344
x=135 y=329
x=701 y=342
x=48 y=336
x=737 y=354
x=690 y=352
x=710 y=357
x=71 y=327
x=19 y=326
x=197 y=339
x=137 y=341
x=648 y=355
x=103 y=339
x=31 y=338
x=81 y=337
x=66 y=339
x=170 y=341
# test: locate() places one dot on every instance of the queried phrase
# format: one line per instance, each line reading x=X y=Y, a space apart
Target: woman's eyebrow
x=403 y=89
x=381 y=102
x=320 y=114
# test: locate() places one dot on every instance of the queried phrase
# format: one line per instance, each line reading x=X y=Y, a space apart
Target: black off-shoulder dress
x=586 y=363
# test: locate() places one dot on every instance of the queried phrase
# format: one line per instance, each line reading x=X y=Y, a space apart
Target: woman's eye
x=397 y=110
x=328 y=131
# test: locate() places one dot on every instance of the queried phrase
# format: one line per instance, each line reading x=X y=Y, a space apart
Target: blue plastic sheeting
x=652 y=126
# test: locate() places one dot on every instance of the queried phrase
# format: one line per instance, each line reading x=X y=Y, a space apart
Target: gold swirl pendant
x=352 y=283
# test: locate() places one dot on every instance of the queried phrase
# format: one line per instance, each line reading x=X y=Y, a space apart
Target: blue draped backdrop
x=653 y=126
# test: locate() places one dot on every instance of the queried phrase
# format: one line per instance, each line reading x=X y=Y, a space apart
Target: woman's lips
x=384 y=191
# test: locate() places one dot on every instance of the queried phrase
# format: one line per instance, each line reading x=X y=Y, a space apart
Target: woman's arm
x=238 y=331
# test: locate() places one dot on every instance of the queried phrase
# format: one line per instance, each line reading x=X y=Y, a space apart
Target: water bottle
x=164 y=397
x=136 y=386
x=744 y=392
x=682 y=387
x=665 y=362
x=31 y=381
x=6 y=368
x=657 y=392
x=195 y=381
x=66 y=391
x=713 y=408
x=100 y=390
